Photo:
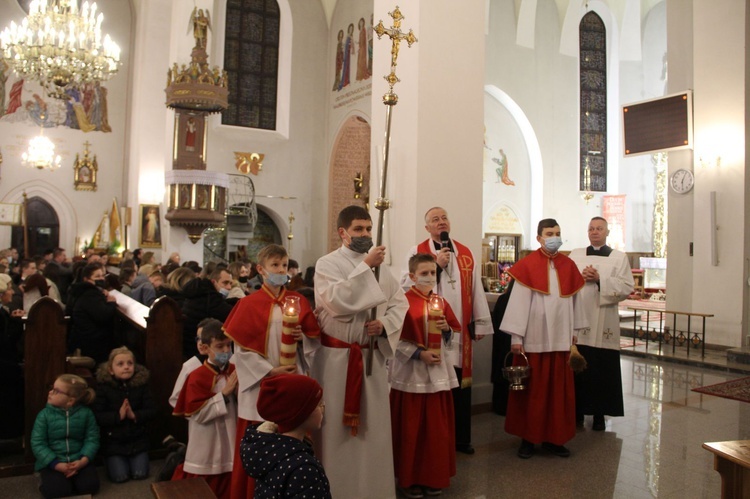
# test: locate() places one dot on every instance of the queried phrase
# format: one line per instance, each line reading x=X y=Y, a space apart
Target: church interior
x=226 y=125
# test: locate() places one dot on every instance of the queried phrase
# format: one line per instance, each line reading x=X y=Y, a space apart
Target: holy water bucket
x=516 y=374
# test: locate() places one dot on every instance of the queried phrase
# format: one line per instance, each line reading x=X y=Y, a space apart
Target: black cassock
x=500 y=348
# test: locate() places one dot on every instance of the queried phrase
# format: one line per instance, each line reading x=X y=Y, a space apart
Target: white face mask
x=427 y=280
x=552 y=244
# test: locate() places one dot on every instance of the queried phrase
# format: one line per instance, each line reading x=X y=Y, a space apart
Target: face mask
x=276 y=280
x=427 y=280
x=243 y=279
x=552 y=244
x=360 y=244
x=224 y=292
x=222 y=358
x=99 y=283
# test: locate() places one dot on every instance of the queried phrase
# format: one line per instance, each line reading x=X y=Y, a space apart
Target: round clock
x=682 y=181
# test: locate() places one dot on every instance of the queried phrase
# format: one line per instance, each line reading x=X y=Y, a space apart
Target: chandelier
x=41 y=154
x=60 y=46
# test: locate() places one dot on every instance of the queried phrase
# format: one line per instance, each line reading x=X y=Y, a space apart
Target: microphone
x=445 y=240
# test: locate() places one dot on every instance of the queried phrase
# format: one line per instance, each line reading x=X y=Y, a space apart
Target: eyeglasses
x=55 y=391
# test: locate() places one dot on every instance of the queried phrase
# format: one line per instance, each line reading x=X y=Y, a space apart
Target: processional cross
x=390 y=99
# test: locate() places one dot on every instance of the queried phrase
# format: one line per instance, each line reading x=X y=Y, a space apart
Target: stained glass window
x=251 y=56
x=593 y=95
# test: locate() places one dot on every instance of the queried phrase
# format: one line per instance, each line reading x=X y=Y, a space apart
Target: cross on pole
x=390 y=99
x=396 y=36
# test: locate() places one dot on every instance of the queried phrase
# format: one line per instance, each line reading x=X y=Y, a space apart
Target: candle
x=288 y=354
x=435 y=308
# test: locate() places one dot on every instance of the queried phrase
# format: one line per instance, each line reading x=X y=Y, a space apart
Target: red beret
x=288 y=400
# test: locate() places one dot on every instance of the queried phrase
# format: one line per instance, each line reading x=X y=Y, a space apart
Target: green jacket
x=64 y=435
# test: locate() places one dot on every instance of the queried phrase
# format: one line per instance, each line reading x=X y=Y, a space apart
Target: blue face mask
x=276 y=280
x=224 y=292
x=552 y=244
x=222 y=358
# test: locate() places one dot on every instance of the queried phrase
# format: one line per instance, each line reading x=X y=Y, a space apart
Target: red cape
x=533 y=272
x=198 y=389
x=413 y=330
x=249 y=322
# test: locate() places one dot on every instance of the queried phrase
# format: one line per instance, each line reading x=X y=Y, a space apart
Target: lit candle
x=435 y=308
x=291 y=308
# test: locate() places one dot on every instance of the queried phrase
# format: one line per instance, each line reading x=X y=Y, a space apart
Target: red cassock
x=248 y=325
x=424 y=439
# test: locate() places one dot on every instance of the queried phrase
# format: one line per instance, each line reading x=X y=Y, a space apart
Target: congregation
x=295 y=385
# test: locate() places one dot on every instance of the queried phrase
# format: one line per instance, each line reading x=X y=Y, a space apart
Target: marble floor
x=654 y=451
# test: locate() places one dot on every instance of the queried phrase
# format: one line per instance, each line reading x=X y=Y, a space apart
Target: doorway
x=43 y=229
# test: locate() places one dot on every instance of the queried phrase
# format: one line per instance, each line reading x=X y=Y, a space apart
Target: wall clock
x=682 y=181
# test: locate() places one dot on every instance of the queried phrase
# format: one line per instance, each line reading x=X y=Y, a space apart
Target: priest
x=460 y=283
x=354 y=443
x=609 y=280
x=544 y=318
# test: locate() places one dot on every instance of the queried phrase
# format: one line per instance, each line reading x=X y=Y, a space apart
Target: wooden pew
x=190 y=488
x=44 y=352
x=732 y=461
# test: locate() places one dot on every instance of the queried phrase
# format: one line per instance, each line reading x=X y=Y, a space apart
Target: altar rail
x=158 y=346
x=663 y=335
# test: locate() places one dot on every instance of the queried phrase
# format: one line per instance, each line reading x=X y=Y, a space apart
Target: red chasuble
x=465 y=261
x=198 y=389
x=250 y=320
x=533 y=272
x=415 y=322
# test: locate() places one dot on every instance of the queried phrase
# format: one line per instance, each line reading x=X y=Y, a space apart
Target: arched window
x=593 y=96
x=251 y=59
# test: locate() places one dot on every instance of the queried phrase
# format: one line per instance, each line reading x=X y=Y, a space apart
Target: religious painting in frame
x=150 y=226
x=189 y=141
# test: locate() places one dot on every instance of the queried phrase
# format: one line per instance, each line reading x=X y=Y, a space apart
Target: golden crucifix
x=396 y=36
x=390 y=99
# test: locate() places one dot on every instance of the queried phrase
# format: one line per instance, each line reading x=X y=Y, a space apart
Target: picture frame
x=85 y=171
x=11 y=214
x=149 y=234
x=189 y=150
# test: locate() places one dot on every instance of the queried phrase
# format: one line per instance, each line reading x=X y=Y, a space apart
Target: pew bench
x=732 y=461
x=190 y=488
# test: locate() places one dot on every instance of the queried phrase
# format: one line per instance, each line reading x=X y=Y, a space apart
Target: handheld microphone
x=445 y=240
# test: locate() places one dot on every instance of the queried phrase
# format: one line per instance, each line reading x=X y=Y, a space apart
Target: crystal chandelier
x=41 y=154
x=60 y=46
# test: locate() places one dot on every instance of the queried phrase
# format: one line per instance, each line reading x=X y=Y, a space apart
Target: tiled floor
x=654 y=451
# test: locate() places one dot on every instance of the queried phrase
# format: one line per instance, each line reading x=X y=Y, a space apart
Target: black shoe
x=579 y=420
x=558 y=450
x=465 y=448
x=526 y=450
x=412 y=492
x=599 y=424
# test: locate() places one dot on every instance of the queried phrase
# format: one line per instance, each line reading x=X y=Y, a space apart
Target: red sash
x=465 y=261
x=249 y=323
x=199 y=389
x=354 y=372
x=533 y=272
